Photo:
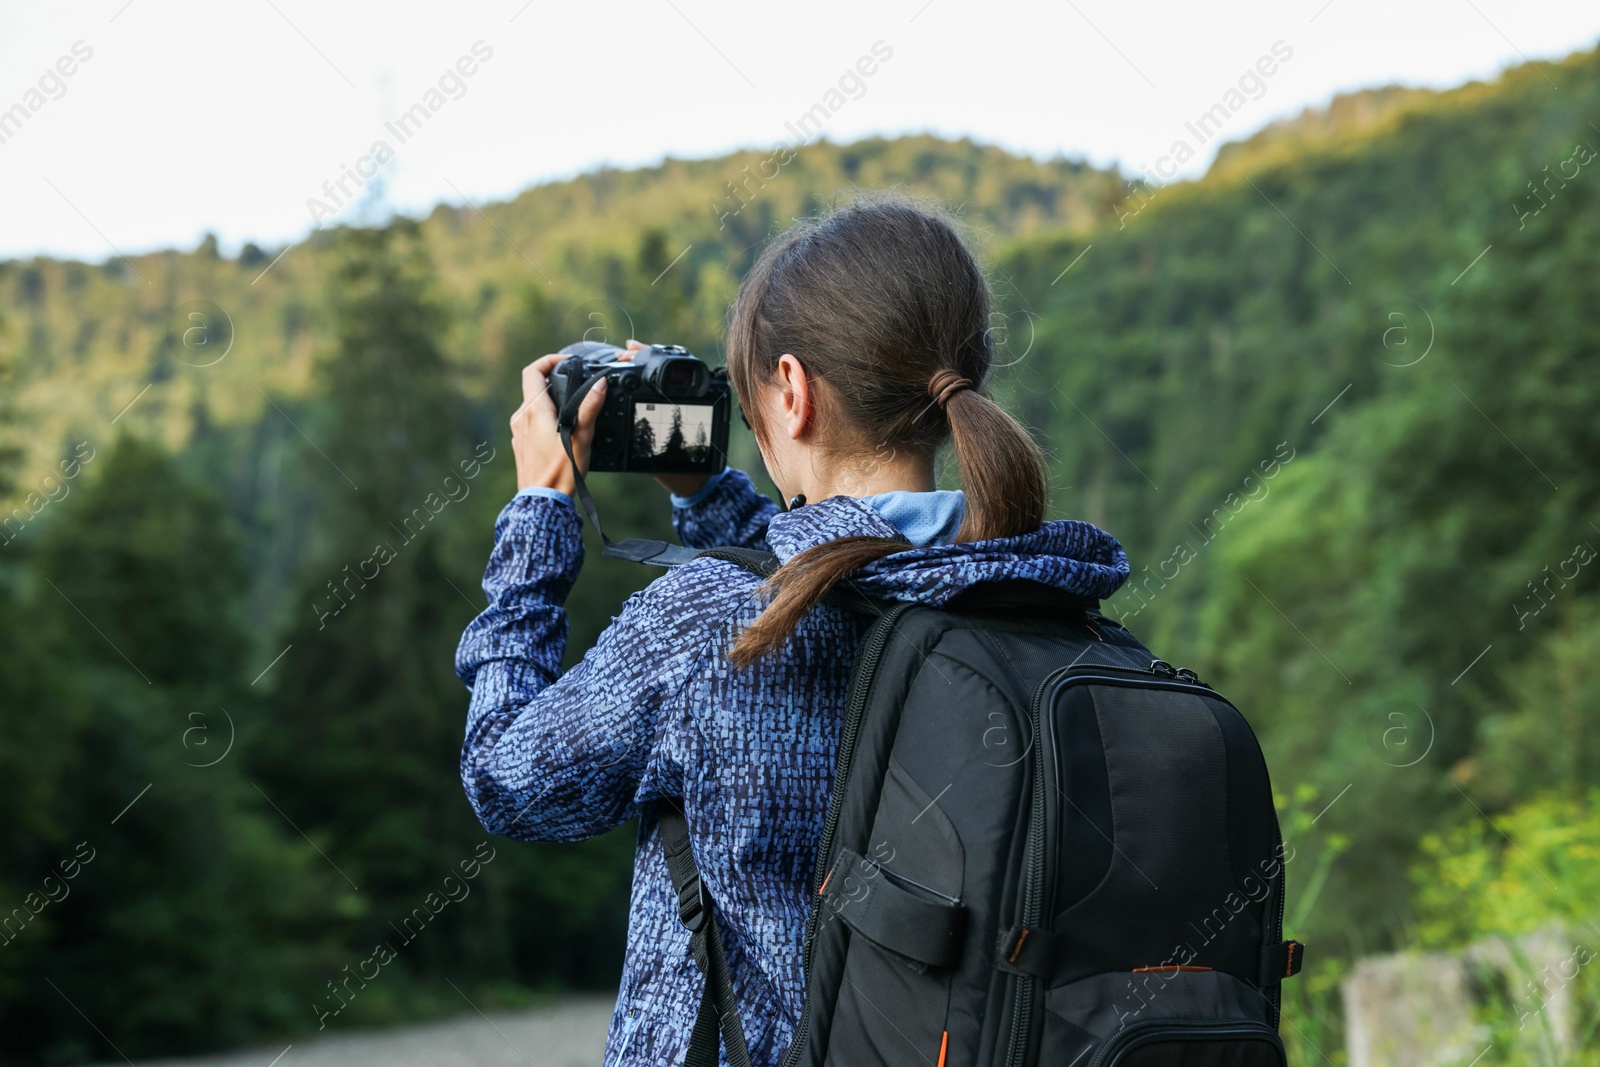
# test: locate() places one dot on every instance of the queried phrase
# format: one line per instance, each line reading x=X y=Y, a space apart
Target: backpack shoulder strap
x=717 y=1009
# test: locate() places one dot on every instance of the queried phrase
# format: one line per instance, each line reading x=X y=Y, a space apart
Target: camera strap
x=639 y=549
x=566 y=419
x=633 y=549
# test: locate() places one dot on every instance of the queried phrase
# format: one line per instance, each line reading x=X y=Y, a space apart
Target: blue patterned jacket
x=655 y=710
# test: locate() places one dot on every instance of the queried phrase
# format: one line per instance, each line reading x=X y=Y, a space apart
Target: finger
x=535 y=398
x=589 y=408
x=536 y=377
x=634 y=345
x=588 y=414
x=539 y=370
x=545 y=364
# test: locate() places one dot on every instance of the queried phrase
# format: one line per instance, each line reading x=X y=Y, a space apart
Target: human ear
x=796 y=402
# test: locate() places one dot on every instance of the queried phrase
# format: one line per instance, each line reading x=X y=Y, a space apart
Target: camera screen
x=670 y=436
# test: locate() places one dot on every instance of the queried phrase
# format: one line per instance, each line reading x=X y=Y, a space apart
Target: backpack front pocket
x=906 y=924
x=1223 y=1044
x=1173 y=1019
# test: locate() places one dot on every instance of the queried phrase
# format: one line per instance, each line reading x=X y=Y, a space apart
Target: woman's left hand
x=536 y=437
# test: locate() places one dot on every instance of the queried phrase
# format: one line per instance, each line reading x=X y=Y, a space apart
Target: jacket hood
x=1069 y=555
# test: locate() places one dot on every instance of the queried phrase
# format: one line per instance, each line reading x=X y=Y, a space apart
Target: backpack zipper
x=876 y=641
x=1032 y=884
x=1139 y=1033
x=1283 y=890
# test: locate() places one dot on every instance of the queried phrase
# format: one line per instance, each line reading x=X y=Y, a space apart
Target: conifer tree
x=185 y=912
x=368 y=714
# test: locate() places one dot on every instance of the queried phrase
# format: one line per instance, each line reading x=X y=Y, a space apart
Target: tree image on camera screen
x=666 y=436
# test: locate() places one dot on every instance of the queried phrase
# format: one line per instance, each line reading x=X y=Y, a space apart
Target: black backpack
x=1044 y=846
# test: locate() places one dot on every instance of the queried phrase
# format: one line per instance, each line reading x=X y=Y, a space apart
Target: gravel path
x=571 y=1033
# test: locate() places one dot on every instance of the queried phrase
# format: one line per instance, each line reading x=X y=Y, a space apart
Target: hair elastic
x=945 y=384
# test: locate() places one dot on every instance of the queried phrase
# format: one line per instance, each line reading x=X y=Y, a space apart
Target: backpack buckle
x=692 y=905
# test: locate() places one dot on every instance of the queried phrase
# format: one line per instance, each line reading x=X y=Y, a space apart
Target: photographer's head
x=858 y=345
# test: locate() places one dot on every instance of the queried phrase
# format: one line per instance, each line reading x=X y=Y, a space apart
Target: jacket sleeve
x=727 y=511
x=553 y=757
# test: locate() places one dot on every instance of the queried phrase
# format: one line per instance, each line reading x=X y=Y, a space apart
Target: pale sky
x=179 y=118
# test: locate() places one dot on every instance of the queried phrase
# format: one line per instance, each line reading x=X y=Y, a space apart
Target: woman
x=857 y=346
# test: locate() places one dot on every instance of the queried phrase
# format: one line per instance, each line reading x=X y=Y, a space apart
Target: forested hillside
x=1340 y=407
x=238 y=554
x=84 y=339
x=1337 y=398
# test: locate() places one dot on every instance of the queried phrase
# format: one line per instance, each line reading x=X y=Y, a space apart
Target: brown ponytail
x=882 y=301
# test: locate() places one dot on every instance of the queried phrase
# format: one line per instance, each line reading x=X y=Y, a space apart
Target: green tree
x=187 y=912
x=368 y=714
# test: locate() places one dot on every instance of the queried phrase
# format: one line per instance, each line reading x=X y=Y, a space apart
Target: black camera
x=665 y=412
